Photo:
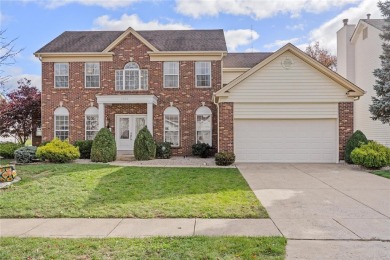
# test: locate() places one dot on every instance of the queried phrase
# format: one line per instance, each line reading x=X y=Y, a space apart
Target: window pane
x=92 y=72
x=172 y=137
x=171 y=129
x=204 y=137
x=203 y=74
x=119 y=80
x=144 y=79
x=203 y=80
x=171 y=81
x=62 y=127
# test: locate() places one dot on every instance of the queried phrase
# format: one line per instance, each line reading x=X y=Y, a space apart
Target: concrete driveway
x=328 y=211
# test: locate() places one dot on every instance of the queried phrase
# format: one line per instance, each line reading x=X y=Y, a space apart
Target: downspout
x=217 y=104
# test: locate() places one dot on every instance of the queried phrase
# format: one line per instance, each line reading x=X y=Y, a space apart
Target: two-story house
x=186 y=88
x=358 y=50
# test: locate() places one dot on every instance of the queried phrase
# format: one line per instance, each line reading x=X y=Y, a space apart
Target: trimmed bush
x=26 y=154
x=103 y=147
x=224 y=158
x=371 y=155
x=8 y=149
x=85 y=147
x=355 y=141
x=202 y=150
x=58 y=151
x=163 y=150
x=144 y=146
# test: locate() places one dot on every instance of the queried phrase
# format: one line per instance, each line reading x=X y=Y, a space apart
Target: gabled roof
x=354 y=91
x=244 y=60
x=377 y=23
x=162 y=40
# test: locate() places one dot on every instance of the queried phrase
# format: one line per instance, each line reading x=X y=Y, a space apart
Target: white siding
x=230 y=75
x=286 y=110
x=301 y=83
x=346 y=53
x=367 y=53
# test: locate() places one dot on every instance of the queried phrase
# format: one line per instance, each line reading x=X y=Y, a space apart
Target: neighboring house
x=186 y=88
x=358 y=50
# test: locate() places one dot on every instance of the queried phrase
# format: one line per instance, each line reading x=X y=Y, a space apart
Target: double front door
x=126 y=130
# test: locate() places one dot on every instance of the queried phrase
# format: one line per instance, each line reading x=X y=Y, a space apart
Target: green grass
x=144 y=248
x=383 y=173
x=99 y=190
x=6 y=161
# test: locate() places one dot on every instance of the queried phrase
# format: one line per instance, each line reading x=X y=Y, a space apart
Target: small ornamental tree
x=103 y=147
x=380 y=107
x=322 y=55
x=144 y=146
x=19 y=111
x=356 y=140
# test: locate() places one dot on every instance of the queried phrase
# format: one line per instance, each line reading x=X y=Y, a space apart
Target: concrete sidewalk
x=131 y=228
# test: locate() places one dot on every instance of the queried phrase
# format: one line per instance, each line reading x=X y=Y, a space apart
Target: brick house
x=186 y=88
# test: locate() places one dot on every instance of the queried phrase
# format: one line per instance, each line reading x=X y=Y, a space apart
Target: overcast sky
x=249 y=25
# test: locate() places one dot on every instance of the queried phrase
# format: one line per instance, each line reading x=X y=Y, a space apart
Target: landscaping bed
x=102 y=191
x=144 y=248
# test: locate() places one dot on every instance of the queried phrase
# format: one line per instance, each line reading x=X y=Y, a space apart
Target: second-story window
x=131 y=78
x=92 y=75
x=171 y=74
x=203 y=74
x=61 y=75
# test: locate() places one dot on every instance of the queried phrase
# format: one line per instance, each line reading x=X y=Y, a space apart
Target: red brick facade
x=345 y=125
x=226 y=134
x=187 y=98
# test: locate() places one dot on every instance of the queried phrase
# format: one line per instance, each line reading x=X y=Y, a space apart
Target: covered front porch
x=125 y=115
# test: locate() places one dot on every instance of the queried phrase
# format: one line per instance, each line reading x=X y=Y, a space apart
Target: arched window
x=172 y=126
x=91 y=123
x=131 y=78
x=203 y=125
x=61 y=123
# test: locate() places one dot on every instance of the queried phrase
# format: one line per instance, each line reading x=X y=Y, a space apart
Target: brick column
x=226 y=136
x=345 y=125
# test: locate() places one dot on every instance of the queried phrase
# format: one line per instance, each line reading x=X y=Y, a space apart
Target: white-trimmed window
x=203 y=74
x=204 y=125
x=131 y=78
x=92 y=75
x=171 y=126
x=61 y=123
x=171 y=74
x=61 y=75
x=91 y=123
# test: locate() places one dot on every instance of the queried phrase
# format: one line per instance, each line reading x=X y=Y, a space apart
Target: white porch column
x=101 y=116
x=149 y=117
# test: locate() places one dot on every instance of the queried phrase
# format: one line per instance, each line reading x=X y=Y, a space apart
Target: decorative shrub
x=8 y=149
x=103 y=147
x=58 y=151
x=85 y=147
x=201 y=149
x=26 y=154
x=7 y=173
x=224 y=158
x=356 y=140
x=43 y=143
x=371 y=155
x=163 y=150
x=144 y=146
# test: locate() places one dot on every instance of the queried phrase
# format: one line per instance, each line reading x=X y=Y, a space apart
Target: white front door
x=126 y=130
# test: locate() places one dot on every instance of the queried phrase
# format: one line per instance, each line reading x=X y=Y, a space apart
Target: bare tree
x=8 y=52
x=322 y=55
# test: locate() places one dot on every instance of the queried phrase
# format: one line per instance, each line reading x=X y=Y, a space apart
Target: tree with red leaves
x=19 y=110
x=322 y=55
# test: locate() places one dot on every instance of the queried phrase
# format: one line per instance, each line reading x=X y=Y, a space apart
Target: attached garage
x=287 y=109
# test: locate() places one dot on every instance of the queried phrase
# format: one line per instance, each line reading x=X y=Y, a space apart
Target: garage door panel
x=296 y=140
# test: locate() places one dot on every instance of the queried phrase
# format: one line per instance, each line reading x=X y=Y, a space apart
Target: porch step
x=125 y=157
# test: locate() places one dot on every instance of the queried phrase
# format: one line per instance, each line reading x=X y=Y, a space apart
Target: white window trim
x=91 y=111
x=85 y=74
x=196 y=81
x=60 y=75
x=139 y=79
x=178 y=74
x=173 y=111
x=61 y=111
x=199 y=112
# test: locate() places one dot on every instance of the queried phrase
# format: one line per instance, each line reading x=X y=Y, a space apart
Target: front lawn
x=383 y=173
x=145 y=248
x=103 y=191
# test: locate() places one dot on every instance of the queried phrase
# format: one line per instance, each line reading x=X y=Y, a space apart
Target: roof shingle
x=244 y=60
x=377 y=23
x=164 y=40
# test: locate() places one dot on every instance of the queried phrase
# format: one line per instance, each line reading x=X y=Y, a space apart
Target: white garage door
x=296 y=140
